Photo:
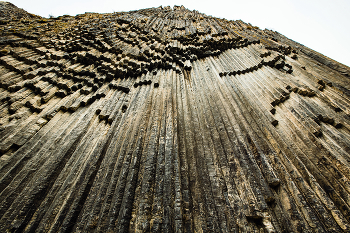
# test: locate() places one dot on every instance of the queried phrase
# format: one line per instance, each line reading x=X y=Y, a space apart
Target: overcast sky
x=322 y=25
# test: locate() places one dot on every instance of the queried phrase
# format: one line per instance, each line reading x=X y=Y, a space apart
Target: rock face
x=8 y=11
x=168 y=120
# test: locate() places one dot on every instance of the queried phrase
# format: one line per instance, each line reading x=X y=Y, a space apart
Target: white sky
x=322 y=25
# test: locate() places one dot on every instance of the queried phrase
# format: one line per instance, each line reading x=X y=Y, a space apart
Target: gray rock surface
x=169 y=120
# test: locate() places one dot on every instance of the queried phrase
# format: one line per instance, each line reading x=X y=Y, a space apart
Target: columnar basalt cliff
x=168 y=120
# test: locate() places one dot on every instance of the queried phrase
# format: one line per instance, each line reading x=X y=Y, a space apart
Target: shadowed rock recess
x=168 y=120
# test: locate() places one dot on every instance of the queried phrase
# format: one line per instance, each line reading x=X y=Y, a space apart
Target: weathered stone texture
x=168 y=120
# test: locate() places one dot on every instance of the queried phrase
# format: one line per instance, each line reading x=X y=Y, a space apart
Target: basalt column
x=168 y=120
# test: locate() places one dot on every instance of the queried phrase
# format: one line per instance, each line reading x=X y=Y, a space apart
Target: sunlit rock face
x=168 y=120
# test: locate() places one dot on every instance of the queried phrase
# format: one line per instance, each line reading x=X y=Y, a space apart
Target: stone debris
x=168 y=120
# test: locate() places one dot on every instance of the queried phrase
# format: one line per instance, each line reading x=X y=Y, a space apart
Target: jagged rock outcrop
x=8 y=11
x=169 y=120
